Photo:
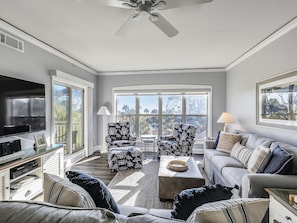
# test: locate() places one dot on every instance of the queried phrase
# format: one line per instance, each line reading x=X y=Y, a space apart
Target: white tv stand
x=27 y=184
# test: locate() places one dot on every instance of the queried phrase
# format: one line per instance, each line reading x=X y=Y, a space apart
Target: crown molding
x=35 y=41
x=292 y=24
x=162 y=71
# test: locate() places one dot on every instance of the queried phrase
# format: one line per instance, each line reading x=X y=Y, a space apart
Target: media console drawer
x=28 y=191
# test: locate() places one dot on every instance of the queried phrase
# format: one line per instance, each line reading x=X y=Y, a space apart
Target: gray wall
x=34 y=65
x=276 y=58
x=215 y=79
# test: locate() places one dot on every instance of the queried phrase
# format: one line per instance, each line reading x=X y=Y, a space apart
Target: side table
x=148 y=140
x=281 y=208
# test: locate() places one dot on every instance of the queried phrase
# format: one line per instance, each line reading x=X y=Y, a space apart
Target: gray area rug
x=139 y=187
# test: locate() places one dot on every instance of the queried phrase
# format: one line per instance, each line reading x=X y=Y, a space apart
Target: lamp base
x=226 y=128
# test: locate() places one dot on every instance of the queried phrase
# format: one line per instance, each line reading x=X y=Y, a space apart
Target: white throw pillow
x=259 y=159
x=235 y=210
x=227 y=141
x=61 y=191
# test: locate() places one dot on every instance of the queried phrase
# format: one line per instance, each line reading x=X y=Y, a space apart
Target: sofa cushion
x=226 y=141
x=241 y=153
x=36 y=212
x=234 y=210
x=96 y=188
x=280 y=161
x=61 y=191
x=254 y=141
x=219 y=162
x=259 y=159
x=187 y=200
x=210 y=153
x=233 y=176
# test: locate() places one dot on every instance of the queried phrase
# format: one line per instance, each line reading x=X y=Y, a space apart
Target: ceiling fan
x=148 y=7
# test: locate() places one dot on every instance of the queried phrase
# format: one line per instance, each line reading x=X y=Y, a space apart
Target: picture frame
x=277 y=101
x=40 y=141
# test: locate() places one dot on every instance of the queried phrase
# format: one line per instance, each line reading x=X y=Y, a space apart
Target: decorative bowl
x=178 y=165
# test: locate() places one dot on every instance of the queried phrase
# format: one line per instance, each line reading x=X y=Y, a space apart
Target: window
x=156 y=113
x=148 y=114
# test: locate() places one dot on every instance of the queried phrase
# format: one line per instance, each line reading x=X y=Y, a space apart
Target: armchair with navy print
x=180 y=143
x=119 y=135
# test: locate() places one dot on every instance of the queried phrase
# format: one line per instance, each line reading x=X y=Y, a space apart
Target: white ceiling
x=212 y=35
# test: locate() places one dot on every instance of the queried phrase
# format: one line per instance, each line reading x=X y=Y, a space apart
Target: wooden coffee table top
x=192 y=172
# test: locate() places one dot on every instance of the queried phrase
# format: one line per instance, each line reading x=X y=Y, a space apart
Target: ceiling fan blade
x=115 y=3
x=127 y=26
x=180 y=3
x=163 y=25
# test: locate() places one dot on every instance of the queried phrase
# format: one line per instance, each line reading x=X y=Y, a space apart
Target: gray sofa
x=221 y=168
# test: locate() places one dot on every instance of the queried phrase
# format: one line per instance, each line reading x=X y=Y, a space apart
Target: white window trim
x=70 y=80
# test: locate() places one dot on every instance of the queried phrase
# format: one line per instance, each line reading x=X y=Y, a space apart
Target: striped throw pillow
x=259 y=159
x=61 y=191
x=245 y=210
x=241 y=153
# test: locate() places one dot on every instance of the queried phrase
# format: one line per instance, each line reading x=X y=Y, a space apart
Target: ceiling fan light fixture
x=154 y=17
x=159 y=5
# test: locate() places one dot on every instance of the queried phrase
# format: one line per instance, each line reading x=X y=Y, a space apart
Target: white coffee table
x=171 y=182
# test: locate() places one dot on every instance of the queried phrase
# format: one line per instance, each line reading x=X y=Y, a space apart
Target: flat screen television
x=22 y=106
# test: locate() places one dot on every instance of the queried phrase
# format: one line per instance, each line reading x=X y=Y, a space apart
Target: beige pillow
x=234 y=210
x=61 y=191
x=241 y=153
x=227 y=141
x=259 y=159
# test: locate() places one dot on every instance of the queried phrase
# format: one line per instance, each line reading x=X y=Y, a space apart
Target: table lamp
x=226 y=118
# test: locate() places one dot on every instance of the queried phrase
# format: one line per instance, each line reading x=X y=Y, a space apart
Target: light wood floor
x=97 y=166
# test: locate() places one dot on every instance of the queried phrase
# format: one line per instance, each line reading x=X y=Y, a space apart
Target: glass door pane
x=61 y=116
x=77 y=119
x=69 y=117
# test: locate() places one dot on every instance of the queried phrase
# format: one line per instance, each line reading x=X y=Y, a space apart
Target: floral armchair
x=180 y=143
x=119 y=135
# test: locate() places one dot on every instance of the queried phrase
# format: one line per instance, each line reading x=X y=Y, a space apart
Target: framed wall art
x=277 y=101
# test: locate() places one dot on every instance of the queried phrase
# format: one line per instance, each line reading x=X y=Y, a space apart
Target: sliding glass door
x=68 y=117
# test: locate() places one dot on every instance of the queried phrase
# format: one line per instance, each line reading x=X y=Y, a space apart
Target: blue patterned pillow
x=187 y=200
x=96 y=188
x=280 y=161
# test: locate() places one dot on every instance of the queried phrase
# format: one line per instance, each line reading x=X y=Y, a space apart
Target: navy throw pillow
x=280 y=161
x=217 y=140
x=96 y=188
x=187 y=200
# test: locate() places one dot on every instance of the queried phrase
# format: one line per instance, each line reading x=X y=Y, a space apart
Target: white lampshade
x=226 y=118
x=103 y=111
